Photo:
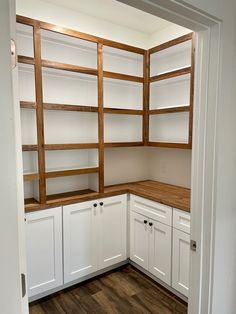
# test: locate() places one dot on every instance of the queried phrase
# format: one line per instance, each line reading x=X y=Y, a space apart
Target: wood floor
x=125 y=290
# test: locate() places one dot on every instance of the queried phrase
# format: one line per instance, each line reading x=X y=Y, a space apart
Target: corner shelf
x=170 y=110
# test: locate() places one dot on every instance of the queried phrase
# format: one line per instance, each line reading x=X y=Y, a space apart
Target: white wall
x=42 y=10
x=170 y=165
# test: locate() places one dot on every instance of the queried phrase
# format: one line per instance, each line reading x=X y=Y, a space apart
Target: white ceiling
x=117 y=13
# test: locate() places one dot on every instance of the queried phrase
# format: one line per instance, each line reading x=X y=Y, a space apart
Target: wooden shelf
x=123 y=144
x=70 y=146
x=170 y=110
x=125 y=77
x=64 y=107
x=28 y=105
x=122 y=111
x=170 y=145
x=171 y=74
x=26 y=60
x=68 y=67
x=29 y=148
x=73 y=172
x=31 y=176
x=69 y=196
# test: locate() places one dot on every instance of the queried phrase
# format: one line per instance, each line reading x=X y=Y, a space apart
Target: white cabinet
x=94 y=235
x=44 y=250
x=112 y=230
x=139 y=239
x=150 y=239
x=160 y=251
x=80 y=237
x=181 y=251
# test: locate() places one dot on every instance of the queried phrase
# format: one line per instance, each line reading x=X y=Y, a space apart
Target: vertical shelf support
x=100 y=116
x=39 y=111
x=191 y=91
x=146 y=87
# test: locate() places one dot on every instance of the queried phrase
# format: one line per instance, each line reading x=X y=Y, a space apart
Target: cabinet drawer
x=181 y=220
x=151 y=209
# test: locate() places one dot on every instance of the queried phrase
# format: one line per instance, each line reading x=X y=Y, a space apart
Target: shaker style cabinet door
x=112 y=230
x=80 y=240
x=180 y=261
x=160 y=250
x=44 y=250
x=139 y=239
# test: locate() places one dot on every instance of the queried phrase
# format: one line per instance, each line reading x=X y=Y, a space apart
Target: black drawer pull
x=95 y=205
x=101 y=203
x=145 y=221
x=150 y=224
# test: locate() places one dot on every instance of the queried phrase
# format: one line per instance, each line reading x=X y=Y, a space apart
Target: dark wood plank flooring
x=125 y=290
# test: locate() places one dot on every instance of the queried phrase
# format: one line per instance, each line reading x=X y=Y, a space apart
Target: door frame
x=203 y=182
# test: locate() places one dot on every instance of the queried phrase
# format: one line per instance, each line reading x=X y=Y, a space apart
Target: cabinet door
x=180 y=261
x=160 y=250
x=139 y=238
x=80 y=240
x=113 y=230
x=44 y=250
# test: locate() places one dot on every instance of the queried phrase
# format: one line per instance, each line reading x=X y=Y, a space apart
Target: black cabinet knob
x=101 y=203
x=150 y=224
x=95 y=205
x=145 y=221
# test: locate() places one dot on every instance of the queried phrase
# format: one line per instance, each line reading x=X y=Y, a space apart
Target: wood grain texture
x=167 y=194
x=28 y=105
x=70 y=172
x=29 y=148
x=122 y=144
x=171 y=74
x=123 y=111
x=39 y=111
x=170 y=145
x=68 y=67
x=65 y=107
x=124 y=290
x=171 y=43
x=31 y=176
x=125 y=77
x=70 y=146
x=26 y=60
x=100 y=117
x=146 y=96
x=170 y=110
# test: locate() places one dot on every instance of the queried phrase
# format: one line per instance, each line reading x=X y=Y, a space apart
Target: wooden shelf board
x=169 y=110
x=72 y=172
x=31 y=176
x=120 y=76
x=171 y=74
x=69 y=196
x=122 y=111
x=70 y=146
x=29 y=148
x=32 y=204
x=28 y=105
x=170 y=145
x=65 y=107
x=171 y=43
x=26 y=60
x=68 y=67
x=122 y=144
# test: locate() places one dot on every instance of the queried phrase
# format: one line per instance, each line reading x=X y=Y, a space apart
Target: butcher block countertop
x=167 y=194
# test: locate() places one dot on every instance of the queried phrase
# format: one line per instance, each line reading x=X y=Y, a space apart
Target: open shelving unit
x=76 y=91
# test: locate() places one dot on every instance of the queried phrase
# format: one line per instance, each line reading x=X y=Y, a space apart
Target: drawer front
x=151 y=209
x=181 y=220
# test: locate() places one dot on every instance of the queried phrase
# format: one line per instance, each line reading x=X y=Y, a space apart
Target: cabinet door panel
x=80 y=234
x=44 y=250
x=180 y=261
x=139 y=239
x=113 y=226
x=160 y=251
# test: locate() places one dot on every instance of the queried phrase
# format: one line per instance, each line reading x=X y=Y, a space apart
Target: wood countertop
x=167 y=194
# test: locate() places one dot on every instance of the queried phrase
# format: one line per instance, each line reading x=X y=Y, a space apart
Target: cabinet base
x=163 y=284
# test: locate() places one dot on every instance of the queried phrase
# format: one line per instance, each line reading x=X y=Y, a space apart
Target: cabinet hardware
x=150 y=224
x=145 y=222
x=95 y=205
x=23 y=285
x=193 y=245
x=101 y=203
